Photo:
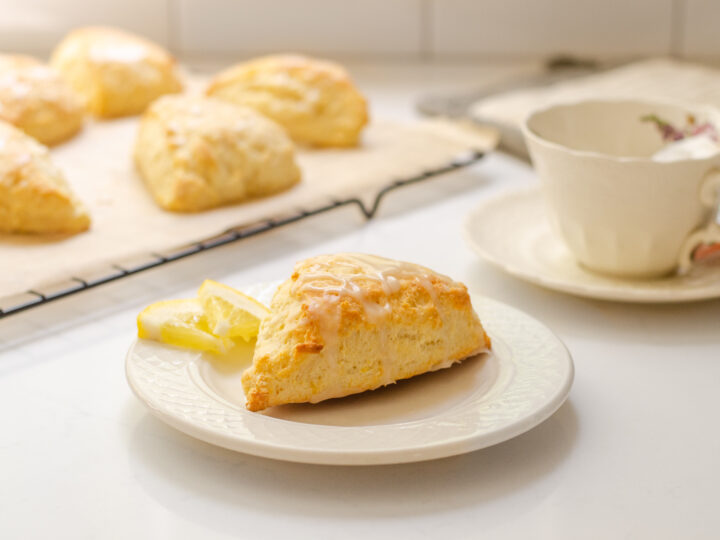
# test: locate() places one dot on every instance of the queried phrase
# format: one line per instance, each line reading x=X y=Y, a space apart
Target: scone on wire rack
x=314 y=100
x=350 y=322
x=196 y=153
x=35 y=99
x=116 y=72
x=35 y=198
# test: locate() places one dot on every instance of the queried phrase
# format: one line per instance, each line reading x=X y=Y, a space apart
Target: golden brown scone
x=117 y=73
x=196 y=153
x=34 y=196
x=35 y=99
x=348 y=323
x=314 y=100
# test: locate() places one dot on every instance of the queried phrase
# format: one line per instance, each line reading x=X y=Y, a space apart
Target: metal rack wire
x=34 y=298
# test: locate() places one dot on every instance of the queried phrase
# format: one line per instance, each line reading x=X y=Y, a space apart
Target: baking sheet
x=126 y=221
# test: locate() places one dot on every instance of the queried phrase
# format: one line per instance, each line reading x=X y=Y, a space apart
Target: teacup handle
x=710 y=233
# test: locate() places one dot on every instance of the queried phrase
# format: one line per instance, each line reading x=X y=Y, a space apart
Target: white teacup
x=619 y=211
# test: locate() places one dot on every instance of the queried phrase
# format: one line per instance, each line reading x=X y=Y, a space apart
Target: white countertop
x=633 y=453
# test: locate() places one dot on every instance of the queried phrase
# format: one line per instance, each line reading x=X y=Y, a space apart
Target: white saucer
x=480 y=402
x=512 y=231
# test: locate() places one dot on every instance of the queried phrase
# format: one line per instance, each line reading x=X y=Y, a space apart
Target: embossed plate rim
x=541 y=364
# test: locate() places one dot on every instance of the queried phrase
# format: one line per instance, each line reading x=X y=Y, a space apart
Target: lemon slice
x=182 y=323
x=229 y=312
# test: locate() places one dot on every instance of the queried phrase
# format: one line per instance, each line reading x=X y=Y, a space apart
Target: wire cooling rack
x=23 y=301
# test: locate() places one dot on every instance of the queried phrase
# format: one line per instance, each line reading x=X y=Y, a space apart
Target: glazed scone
x=34 y=196
x=347 y=323
x=34 y=98
x=117 y=73
x=196 y=153
x=314 y=100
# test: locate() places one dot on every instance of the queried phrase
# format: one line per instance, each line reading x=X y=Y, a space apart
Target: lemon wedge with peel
x=182 y=323
x=229 y=312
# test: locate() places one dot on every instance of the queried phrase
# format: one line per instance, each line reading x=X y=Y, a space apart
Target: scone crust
x=34 y=195
x=35 y=99
x=196 y=153
x=117 y=73
x=314 y=100
x=324 y=340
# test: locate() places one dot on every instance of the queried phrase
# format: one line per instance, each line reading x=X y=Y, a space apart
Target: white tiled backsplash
x=377 y=29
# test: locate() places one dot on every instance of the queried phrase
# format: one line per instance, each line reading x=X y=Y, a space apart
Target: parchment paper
x=126 y=221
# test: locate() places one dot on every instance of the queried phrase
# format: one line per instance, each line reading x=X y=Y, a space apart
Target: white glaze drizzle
x=322 y=292
x=361 y=267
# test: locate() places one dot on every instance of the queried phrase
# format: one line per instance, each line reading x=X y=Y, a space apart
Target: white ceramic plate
x=480 y=402
x=513 y=232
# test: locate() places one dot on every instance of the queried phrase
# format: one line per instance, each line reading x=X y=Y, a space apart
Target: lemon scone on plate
x=35 y=99
x=34 y=195
x=117 y=73
x=196 y=153
x=347 y=323
x=314 y=100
